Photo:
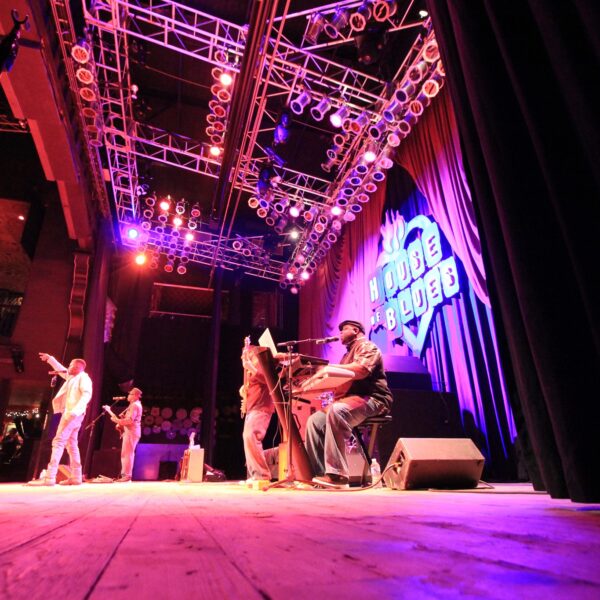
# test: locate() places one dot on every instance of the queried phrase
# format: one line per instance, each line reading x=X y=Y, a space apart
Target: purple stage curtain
x=435 y=163
x=521 y=80
x=461 y=353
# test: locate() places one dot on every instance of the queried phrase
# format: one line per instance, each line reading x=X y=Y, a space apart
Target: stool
x=374 y=423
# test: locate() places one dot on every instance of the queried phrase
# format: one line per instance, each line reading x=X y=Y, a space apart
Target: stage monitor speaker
x=443 y=463
x=192 y=466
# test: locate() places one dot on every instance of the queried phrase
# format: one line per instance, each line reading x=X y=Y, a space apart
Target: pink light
x=226 y=79
x=294 y=212
x=177 y=221
x=305 y=275
x=369 y=156
x=21 y=218
x=215 y=151
x=294 y=234
x=164 y=205
x=294 y=289
x=336 y=211
x=290 y=276
x=189 y=237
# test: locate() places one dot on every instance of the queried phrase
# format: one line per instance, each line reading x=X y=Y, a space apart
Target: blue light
x=132 y=233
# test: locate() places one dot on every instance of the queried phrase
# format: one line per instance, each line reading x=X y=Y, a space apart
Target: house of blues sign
x=415 y=274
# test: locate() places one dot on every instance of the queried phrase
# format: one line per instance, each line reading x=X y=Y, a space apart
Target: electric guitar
x=244 y=388
x=120 y=428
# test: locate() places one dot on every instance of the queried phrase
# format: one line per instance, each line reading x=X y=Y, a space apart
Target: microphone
x=327 y=340
x=119 y=397
x=56 y=372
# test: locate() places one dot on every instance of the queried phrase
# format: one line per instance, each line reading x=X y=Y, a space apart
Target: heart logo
x=413 y=277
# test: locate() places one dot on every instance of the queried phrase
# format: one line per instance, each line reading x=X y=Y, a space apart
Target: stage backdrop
x=460 y=350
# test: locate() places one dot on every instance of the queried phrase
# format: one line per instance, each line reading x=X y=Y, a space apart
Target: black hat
x=356 y=324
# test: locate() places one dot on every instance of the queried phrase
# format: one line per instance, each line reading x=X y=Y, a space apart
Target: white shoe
x=42 y=482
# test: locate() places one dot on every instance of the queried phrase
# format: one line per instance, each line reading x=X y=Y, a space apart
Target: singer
x=71 y=400
x=130 y=423
x=368 y=395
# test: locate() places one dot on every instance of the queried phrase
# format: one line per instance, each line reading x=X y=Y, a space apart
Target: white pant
x=66 y=435
x=256 y=424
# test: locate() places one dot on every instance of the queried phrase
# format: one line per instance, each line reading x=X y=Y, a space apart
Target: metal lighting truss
x=66 y=38
x=287 y=70
x=206 y=250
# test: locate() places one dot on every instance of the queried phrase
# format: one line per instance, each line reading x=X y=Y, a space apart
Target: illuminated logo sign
x=414 y=275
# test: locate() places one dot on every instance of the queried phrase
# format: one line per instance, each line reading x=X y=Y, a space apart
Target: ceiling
x=153 y=65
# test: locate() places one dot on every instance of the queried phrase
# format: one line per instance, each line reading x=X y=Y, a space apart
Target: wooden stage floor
x=221 y=540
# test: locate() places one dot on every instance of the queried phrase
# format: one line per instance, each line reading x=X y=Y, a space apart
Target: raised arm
x=56 y=366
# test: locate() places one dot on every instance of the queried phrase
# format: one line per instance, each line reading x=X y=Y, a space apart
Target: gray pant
x=130 y=439
x=327 y=432
x=255 y=428
x=66 y=435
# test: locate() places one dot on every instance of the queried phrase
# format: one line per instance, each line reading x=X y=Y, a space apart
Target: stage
x=222 y=540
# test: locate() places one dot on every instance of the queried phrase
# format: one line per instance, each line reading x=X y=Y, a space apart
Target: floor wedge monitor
x=442 y=463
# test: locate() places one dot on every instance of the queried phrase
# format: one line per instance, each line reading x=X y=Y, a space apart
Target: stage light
x=21 y=218
x=290 y=276
x=305 y=275
x=294 y=234
x=84 y=76
x=318 y=111
x=377 y=130
x=336 y=211
x=431 y=88
x=311 y=214
x=301 y=102
x=339 y=116
x=423 y=14
x=195 y=211
x=378 y=176
x=169 y=266
x=164 y=205
x=270 y=220
x=349 y=216
x=338 y=21
x=226 y=78
x=281 y=133
x=140 y=259
x=384 y=9
x=357 y=125
x=328 y=164
x=177 y=221
x=358 y=19
x=133 y=233
x=295 y=211
x=181 y=270
x=192 y=224
x=253 y=202
x=180 y=207
x=399 y=98
x=275 y=158
x=417 y=71
x=88 y=94
x=370 y=153
x=314 y=29
x=189 y=237
x=294 y=289
x=431 y=52
x=80 y=52
x=280 y=225
x=262 y=212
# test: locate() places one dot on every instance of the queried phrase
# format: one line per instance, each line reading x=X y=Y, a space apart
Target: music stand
x=289 y=480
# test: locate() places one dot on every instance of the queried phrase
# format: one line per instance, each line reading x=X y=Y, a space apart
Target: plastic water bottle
x=375 y=473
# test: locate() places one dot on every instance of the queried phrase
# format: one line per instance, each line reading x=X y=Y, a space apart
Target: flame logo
x=392 y=234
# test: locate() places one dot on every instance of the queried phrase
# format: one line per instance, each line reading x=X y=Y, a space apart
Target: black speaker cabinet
x=443 y=463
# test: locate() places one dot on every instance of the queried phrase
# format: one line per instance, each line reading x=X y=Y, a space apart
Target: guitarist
x=258 y=408
x=129 y=424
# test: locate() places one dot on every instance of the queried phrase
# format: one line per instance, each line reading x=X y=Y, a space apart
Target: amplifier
x=192 y=465
x=443 y=463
